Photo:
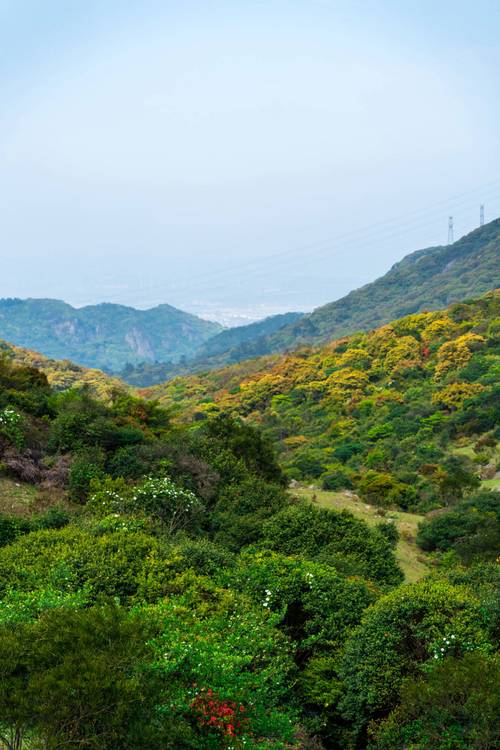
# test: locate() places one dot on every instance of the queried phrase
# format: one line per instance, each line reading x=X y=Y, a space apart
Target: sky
x=241 y=158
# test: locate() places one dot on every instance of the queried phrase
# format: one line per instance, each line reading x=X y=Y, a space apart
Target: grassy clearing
x=490 y=484
x=412 y=560
x=468 y=450
x=465 y=450
x=26 y=500
x=16 y=498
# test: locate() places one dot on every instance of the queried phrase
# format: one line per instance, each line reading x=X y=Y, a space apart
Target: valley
x=264 y=554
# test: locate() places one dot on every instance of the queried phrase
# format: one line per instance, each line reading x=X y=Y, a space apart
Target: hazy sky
x=242 y=155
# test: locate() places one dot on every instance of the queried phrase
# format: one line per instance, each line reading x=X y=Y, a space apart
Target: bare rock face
x=139 y=344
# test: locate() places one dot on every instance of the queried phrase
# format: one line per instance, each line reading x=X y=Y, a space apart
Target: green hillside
x=161 y=587
x=105 y=336
x=388 y=413
x=428 y=279
x=63 y=374
x=235 y=344
x=230 y=345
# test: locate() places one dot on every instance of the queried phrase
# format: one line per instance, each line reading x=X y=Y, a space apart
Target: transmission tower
x=481 y=215
x=450 y=230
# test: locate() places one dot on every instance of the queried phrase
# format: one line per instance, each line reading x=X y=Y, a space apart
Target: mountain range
x=147 y=347
x=105 y=336
x=427 y=279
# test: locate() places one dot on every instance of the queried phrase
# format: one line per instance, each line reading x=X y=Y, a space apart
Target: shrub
x=242 y=509
x=87 y=466
x=12 y=527
x=401 y=635
x=337 y=480
x=471 y=528
x=248 y=444
x=389 y=531
x=11 y=426
x=337 y=539
x=174 y=506
x=78 y=679
x=311 y=603
x=454 y=706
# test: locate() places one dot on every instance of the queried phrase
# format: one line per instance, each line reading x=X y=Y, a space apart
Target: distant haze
x=237 y=159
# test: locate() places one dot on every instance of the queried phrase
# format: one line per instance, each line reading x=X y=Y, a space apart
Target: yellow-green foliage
x=455 y=394
x=394 y=388
x=456 y=353
x=63 y=374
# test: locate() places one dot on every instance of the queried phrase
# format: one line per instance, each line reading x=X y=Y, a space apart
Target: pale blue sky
x=251 y=156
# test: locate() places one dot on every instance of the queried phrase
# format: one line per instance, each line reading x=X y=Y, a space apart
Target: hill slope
x=231 y=345
x=387 y=413
x=427 y=279
x=235 y=344
x=63 y=374
x=106 y=336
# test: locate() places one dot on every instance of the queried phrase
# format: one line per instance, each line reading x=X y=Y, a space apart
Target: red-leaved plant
x=212 y=712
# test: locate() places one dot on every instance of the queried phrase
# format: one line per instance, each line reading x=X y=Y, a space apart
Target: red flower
x=215 y=713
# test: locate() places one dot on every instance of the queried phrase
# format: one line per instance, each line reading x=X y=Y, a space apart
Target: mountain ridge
x=104 y=336
x=450 y=273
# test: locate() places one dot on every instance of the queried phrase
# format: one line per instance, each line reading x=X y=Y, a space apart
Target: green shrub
x=400 y=636
x=454 y=706
x=87 y=466
x=337 y=480
x=241 y=510
x=78 y=679
x=471 y=528
x=12 y=527
x=314 y=605
x=12 y=426
x=334 y=538
x=389 y=531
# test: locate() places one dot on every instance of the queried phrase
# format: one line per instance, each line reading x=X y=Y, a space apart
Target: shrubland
x=406 y=415
x=169 y=592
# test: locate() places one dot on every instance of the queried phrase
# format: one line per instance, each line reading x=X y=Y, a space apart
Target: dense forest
x=161 y=587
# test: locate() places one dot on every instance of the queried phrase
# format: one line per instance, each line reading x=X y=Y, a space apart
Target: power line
x=378 y=232
x=495 y=185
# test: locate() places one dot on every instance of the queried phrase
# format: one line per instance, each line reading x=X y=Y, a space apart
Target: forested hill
x=106 y=336
x=235 y=344
x=428 y=279
x=160 y=587
x=388 y=413
x=226 y=347
x=62 y=375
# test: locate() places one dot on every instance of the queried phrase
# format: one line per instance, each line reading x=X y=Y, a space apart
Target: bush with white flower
x=157 y=497
x=450 y=645
x=175 y=506
x=11 y=426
